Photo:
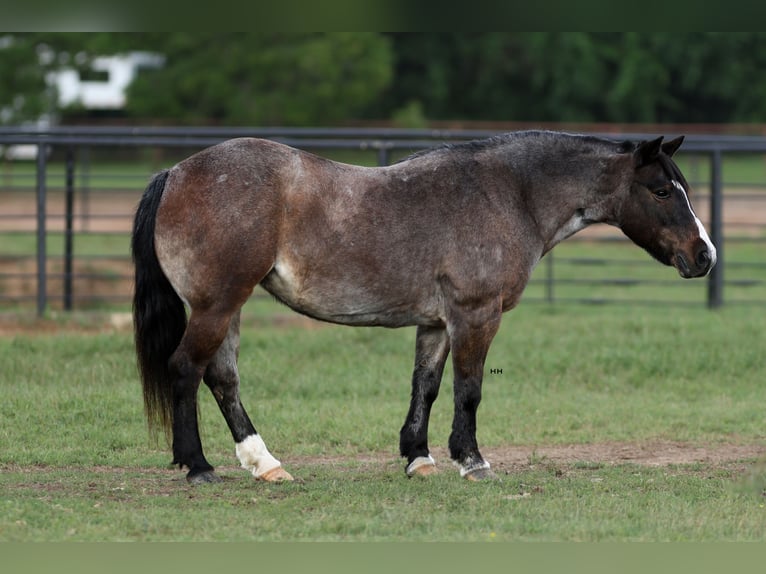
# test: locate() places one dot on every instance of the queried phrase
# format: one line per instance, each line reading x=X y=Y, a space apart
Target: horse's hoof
x=205 y=477
x=481 y=474
x=277 y=474
x=423 y=471
x=422 y=466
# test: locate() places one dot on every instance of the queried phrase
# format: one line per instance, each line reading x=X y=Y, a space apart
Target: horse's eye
x=661 y=193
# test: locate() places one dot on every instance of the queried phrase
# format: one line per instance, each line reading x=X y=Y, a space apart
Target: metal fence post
x=42 y=255
x=83 y=157
x=383 y=157
x=68 y=230
x=715 y=280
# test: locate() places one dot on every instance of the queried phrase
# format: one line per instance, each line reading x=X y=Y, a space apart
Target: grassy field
x=76 y=462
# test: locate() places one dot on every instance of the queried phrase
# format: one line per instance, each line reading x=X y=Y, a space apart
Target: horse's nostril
x=703 y=258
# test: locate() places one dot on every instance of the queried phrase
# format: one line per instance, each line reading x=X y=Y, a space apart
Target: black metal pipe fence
x=76 y=145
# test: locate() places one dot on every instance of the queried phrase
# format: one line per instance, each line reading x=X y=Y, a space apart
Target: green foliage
x=23 y=93
x=284 y=79
x=324 y=78
x=583 y=76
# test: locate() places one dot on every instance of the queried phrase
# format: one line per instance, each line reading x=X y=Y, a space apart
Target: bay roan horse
x=444 y=240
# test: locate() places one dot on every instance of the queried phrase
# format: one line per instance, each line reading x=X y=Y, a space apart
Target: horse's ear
x=671 y=147
x=647 y=151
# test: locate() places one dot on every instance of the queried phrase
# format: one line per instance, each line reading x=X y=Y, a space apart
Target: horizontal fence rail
x=60 y=168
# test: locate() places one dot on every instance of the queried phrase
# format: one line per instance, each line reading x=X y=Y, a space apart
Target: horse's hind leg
x=222 y=377
x=204 y=334
x=431 y=350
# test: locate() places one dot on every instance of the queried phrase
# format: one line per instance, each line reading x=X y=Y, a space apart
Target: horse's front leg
x=431 y=350
x=471 y=335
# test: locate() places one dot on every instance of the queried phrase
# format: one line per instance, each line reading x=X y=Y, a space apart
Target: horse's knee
x=220 y=377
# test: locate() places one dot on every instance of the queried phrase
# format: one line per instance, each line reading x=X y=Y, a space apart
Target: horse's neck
x=565 y=201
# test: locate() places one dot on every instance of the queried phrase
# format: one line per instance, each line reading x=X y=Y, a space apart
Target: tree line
x=330 y=78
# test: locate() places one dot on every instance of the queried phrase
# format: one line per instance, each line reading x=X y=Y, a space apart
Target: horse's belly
x=348 y=302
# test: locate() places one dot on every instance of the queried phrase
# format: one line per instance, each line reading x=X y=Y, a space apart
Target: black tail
x=159 y=316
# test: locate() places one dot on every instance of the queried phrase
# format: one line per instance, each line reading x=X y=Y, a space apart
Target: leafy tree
x=23 y=93
x=581 y=76
x=716 y=76
x=285 y=79
x=259 y=78
x=26 y=58
x=330 y=78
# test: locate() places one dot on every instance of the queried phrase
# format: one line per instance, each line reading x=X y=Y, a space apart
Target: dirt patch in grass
x=656 y=453
x=516 y=458
x=649 y=453
x=105 y=483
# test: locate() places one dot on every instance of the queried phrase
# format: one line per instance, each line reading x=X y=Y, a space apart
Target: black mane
x=477 y=145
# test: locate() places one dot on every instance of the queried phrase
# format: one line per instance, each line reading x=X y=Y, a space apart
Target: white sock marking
x=255 y=457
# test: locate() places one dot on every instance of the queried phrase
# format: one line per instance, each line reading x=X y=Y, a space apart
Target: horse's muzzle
x=704 y=259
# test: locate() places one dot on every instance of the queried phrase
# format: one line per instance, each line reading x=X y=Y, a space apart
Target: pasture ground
x=638 y=425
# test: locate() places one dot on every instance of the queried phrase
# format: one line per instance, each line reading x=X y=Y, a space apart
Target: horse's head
x=658 y=216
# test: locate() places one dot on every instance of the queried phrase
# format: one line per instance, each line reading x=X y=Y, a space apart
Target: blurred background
x=109 y=109
x=402 y=79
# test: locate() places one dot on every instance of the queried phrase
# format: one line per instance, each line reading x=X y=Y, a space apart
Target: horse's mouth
x=688 y=272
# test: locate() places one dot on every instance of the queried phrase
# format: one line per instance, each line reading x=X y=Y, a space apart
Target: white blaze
x=703 y=234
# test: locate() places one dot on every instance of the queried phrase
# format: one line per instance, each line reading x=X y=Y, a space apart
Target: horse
x=444 y=240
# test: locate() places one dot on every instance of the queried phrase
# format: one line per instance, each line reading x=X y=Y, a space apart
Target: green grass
x=617 y=503
x=100 y=175
x=77 y=464
x=85 y=244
